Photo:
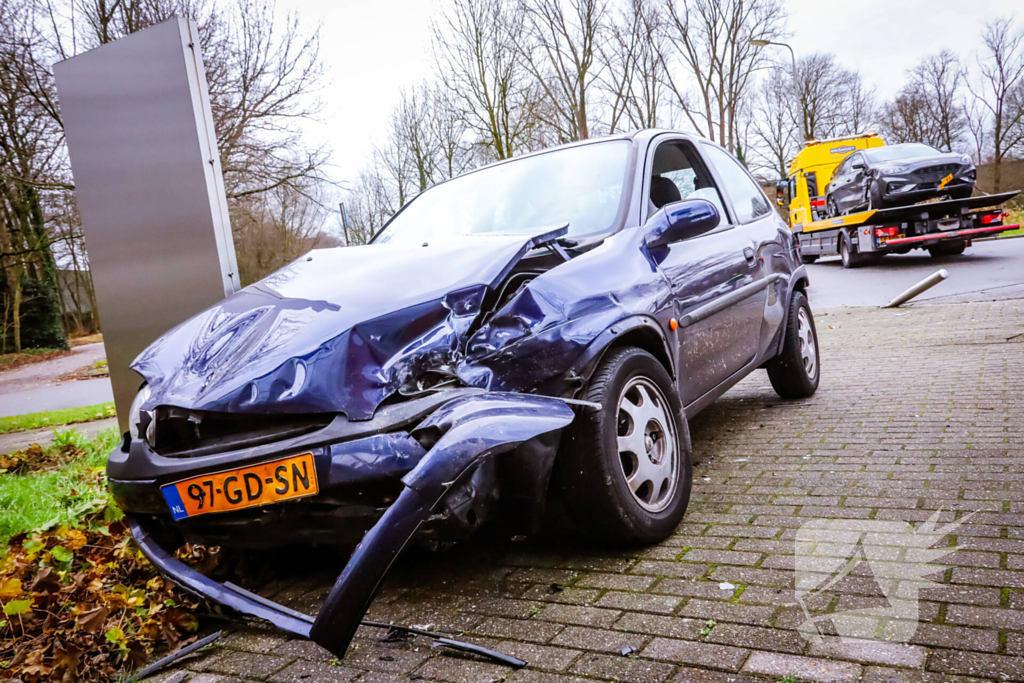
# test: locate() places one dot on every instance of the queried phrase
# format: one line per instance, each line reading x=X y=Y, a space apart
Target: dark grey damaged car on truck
x=542 y=327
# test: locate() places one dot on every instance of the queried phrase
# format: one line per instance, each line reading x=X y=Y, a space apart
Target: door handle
x=748 y=253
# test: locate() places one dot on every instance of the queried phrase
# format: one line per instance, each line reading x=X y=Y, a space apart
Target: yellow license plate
x=245 y=487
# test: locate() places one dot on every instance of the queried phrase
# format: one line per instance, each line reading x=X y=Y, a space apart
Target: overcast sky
x=374 y=48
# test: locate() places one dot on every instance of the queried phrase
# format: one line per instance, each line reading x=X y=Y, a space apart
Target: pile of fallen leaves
x=36 y=458
x=85 y=605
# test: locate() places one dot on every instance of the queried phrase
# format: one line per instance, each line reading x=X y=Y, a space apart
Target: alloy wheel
x=808 y=350
x=647 y=444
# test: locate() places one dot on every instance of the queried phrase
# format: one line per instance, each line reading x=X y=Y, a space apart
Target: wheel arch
x=641 y=331
x=799 y=283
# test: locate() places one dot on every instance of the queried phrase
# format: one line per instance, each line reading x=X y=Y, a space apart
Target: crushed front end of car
x=359 y=397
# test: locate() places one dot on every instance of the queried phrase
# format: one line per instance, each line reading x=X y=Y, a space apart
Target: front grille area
x=189 y=433
x=936 y=171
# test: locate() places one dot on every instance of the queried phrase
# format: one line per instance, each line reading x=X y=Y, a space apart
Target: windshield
x=906 y=151
x=582 y=186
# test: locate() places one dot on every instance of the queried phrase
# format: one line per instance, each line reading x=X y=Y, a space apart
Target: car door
x=760 y=226
x=835 y=186
x=716 y=337
x=853 y=183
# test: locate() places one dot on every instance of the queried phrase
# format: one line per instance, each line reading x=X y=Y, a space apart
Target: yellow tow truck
x=944 y=228
x=811 y=170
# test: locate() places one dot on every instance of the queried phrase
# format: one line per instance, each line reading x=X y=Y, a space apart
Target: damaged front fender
x=461 y=434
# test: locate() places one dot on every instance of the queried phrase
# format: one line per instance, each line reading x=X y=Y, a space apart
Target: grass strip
x=56 y=418
x=42 y=500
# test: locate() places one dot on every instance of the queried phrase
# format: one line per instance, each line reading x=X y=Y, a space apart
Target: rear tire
x=795 y=372
x=940 y=250
x=612 y=492
x=830 y=207
x=846 y=253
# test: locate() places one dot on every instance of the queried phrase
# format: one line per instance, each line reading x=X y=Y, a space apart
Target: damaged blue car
x=539 y=328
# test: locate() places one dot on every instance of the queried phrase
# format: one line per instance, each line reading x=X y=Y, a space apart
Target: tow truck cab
x=810 y=171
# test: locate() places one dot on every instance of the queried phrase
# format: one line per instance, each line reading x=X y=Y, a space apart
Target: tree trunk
x=17 y=310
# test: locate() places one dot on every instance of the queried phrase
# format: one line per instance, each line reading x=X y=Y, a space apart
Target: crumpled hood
x=338 y=330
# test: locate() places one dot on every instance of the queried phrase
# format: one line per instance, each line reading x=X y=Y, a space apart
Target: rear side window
x=747 y=197
x=812 y=184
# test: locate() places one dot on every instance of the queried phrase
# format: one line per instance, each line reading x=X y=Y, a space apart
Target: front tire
x=795 y=372
x=626 y=472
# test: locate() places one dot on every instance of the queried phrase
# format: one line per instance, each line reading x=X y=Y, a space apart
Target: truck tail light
x=990 y=218
x=887 y=232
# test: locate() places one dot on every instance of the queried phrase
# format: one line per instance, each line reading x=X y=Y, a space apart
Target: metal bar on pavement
x=925 y=284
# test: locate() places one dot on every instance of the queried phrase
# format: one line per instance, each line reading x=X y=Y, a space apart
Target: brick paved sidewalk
x=887 y=437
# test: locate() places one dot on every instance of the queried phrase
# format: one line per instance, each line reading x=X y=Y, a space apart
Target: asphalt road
x=987 y=271
x=34 y=388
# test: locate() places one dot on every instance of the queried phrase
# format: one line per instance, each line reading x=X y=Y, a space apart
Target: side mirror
x=680 y=221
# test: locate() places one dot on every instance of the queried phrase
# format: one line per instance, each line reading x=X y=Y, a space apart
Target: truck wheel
x=626 y=472
x=940 y=250
x=794 y=373
x=850 y=259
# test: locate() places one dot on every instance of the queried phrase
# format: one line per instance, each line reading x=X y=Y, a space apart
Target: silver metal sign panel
x=148 y=181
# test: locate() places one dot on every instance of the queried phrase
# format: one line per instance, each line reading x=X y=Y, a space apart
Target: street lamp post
x=792 y=55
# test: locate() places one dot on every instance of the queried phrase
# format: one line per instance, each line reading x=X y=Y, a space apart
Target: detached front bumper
x=468 y=430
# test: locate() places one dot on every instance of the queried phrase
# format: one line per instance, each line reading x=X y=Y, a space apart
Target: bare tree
x=1000 y=90
x=773 y=125
x=476 y=61
x=908 y=118
x=369 y=205
x=977 y=125
x=273 y=228
x=450 y=133
x=559 y=49
x=709 y=50
x=828 y=99
x=631 y=72
x=938 y=79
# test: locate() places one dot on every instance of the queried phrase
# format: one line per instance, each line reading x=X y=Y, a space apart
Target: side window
x=747 y=197
x=677 y=173
x=841 y=168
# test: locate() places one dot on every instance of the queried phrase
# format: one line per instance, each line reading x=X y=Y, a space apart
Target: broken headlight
x=135 y=412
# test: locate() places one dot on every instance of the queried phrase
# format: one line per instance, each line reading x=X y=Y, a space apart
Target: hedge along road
x=987 y=271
